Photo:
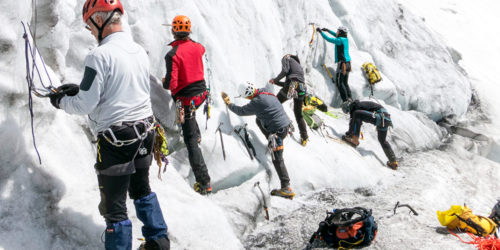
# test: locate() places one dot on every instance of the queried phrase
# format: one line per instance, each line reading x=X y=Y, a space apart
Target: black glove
x=318 y=29
x=325 y=29
x=55 y=98
x=69 y=89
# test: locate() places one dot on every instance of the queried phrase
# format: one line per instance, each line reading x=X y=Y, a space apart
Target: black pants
x=192 y=135
x=297 y=110
x=121 y=170
x=342 y=80
x=278 y=162
x=114 y=193
x=360 y=116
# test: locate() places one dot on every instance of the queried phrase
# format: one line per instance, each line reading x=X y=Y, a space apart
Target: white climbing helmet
x=247 y=90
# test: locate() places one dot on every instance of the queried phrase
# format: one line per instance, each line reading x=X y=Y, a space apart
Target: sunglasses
x=88 y=27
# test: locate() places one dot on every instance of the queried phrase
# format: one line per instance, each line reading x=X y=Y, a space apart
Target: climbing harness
x=140 y=136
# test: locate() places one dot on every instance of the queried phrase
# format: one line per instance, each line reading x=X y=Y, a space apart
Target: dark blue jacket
x=268 y=110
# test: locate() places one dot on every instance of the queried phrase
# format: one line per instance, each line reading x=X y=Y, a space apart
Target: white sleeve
x=90 y=88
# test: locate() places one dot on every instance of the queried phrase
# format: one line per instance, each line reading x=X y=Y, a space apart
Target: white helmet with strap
x=247 y=90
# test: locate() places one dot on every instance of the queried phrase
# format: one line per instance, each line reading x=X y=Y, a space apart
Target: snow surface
x=432 y=56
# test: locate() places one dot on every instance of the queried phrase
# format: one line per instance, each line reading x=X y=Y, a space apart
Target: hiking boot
x=303 y=141
x=162 y=243
x=393 y=165
x=354 y=140
x=285 y=192
x=202 y=189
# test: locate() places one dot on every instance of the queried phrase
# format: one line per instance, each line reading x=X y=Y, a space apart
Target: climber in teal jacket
x=342 y=59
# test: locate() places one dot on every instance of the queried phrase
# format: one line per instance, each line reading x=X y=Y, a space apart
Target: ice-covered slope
x=54 y=206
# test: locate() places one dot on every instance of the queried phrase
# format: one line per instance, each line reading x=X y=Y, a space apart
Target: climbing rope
x=31 y=67
x=482 y=243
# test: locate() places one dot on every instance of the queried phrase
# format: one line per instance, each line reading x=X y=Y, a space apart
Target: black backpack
x=345 y=228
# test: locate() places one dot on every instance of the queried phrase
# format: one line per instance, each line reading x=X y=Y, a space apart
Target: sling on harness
x=160 y=149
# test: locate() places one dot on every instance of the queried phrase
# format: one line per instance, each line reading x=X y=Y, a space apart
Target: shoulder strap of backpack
x=470 y=223
x=265 y=93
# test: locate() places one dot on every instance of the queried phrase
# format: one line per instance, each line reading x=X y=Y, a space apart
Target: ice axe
x=238 y=130
x=264 y=204
x=314 y=33
x=221 y=141
x=405 y=205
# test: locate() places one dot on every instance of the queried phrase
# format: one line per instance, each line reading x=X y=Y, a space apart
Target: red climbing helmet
x=92 y=6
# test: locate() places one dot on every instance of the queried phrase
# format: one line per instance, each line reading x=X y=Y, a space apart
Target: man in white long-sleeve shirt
x=115 y=93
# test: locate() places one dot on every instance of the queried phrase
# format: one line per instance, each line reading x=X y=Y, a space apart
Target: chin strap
x=101 y=29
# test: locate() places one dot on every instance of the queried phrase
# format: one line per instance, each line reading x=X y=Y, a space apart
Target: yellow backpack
x=461 y=217
x=371 y=73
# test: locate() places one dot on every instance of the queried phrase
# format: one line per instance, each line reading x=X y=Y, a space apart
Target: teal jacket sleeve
x=333 y=33
x=334 y=40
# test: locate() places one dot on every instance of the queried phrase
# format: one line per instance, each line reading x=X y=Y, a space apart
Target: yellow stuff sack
x=461 y=217
x=371 y=73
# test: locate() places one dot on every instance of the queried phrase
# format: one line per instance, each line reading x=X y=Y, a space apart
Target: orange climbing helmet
x=181 y=24
x=92 y=6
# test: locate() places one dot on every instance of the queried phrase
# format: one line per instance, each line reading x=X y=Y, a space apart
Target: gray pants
x=278 y=162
